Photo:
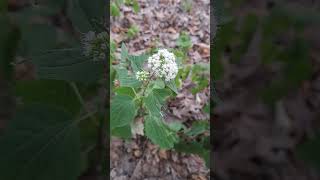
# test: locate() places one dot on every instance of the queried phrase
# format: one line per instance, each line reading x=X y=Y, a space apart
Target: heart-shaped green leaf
x=137 y=62
x=123 y=111
x=126 y=79
x=68 y=65
x=51 y=92
x=125 y=91
x=40 y=143
x=159 y=132
x=155 y=100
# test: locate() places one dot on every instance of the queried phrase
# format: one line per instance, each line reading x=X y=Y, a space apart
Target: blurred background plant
x=55 y=91
x=133 y=31
x=266 y=56
x=187 y=5
x=115 y=6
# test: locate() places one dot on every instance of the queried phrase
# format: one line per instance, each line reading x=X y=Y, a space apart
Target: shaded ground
x=254 y=140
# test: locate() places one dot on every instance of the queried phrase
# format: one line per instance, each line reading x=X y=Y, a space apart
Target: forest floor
x=253 y=140
x=160 y=23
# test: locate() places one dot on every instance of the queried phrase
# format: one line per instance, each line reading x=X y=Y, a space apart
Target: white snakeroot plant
x=139 y=100
x=163 y=65
x=95 y=46
x=141 y=94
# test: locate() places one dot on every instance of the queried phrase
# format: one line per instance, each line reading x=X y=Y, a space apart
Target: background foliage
x=53 y=134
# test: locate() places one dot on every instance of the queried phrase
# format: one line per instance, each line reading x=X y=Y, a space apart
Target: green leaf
x=123 y=111
x=124 y=53
x=68 y=65
x=112 y=77
x=187 y=5
x=202 y=82
x=87 y=72
x=40 y=142
x=125 y=91
x=184 y=41
x=158 y=84
x=172 y=85
x=51 y=92
x=181 y=57
x=155 y=100
x=128 y=2
x=309 y=151
x=119 y=2
x=297 y=68
x=126 y=79
x=33 y=30
x=197 y=128
x=137 y=62
x=184 y=72
x=133 y=31
x=135 y=5
x=159 y=133
x=206 y=108
x=224 y=36
x=88 y=136
x=114 y=10
x=245 y=36
x=94 y=10
x=200 y=76
x=176 y=126
x=206 y=156
x=122 y=132
x=113 y=47
x=88 y=133
x=78 y=16
x=298 y=65
x=202 y=68
x=32 y=37
x=194 y=148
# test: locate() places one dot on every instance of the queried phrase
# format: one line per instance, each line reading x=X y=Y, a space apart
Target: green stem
x=147 y=84
x=76 y=90
x=143 y=93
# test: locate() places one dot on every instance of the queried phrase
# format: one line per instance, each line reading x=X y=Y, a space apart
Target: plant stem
x=76 y=90
x=143 y=93
x=144 y=140
x=147 y=84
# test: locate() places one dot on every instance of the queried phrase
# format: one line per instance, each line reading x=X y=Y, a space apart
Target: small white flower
x=95 y=46
x=142 y=75
x=163 y=64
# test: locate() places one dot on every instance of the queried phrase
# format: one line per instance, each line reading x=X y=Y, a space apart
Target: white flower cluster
x=95 y=46
x=163 y=64
x=142 y=75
